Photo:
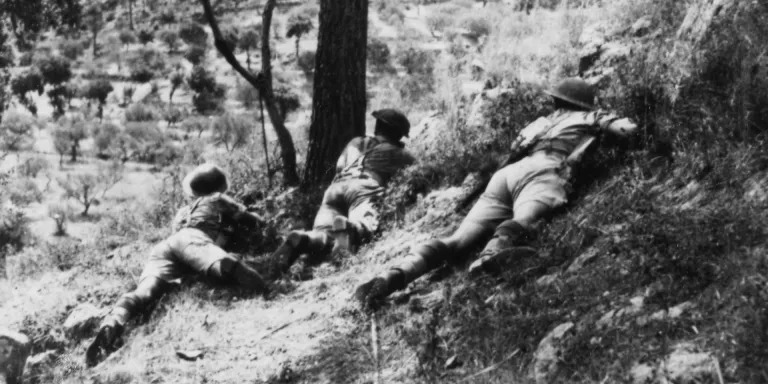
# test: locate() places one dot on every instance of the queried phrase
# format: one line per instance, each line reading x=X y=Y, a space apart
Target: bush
x=193 y=34
x=197 y=124
x=71 y=49
x=246 y=94
x=60 y=213
x=195 y=54
x=307 y=62
x=14 y=230
x=145 y=36
x=127 y=37
x=232 y=131
x=16 y=132
x=128 y=94
x=437 y=22
x=26 y=82
x=208 y=94
x=55 y=70
x=140 y=112
x=416 y=61
x=378 y=54
x=23 y=192
x=170 y=39
x=477 y=26
x=103 y=136
x=146 y=64
x=32 y=166
x=26 y=58
x=167 y=16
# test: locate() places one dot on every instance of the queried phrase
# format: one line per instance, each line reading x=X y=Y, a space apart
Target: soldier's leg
x=364 y=202
x=230 y=269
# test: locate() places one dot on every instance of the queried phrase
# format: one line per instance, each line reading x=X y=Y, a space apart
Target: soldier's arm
x=617 y=126
x=350 y=153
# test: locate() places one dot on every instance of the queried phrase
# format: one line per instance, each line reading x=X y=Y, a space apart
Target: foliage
x=103 y=135
x=55 y=70
x=232 y=131
x=32 y=166
x=307 y=62
x=231 y=38
x=71 y=49
x=246 y=94
x=127 y=37
x=416 y=61
x=208 y=94
x=145 y=36
x=378 y=54
x=250 y=39
x=85 y=188
x=146 y=64
x=477 y=26
x=140 y=112
x=195 y=54
x=60 y=213
x=16 y=133
x=170 y=38
x=286 y=99
x=14 y=230
x=68 y=134
x=198 y=124
x=28 y=81
x=193 y=34
x=23 y=192
x=98 y=90
x=437 y=22
x=167 y=16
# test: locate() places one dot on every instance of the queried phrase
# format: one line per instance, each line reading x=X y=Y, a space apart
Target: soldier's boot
x=347 y=235
x=426 y=257
x=107 y=341
x=298 y=243
x=243 y=275
x=502 y=250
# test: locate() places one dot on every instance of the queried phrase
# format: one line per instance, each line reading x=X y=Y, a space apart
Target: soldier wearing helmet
x=349 y=213
x=203 y=233
x=533 y=182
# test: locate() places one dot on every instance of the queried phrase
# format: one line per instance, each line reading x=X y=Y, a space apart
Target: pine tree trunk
x=130 y=14
x=338 y=107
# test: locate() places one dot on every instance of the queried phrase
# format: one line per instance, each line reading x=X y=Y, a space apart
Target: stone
x=546 y=359
x=547 y=280
x=40 y=363
x=642 y=374
x=14 y=350
x=685 y=367
x=82 y=320
x=641 y=26
x=585 y=258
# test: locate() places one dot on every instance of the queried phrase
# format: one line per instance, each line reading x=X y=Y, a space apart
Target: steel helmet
x=575 y=91
x=394 y=119
x=204 y=180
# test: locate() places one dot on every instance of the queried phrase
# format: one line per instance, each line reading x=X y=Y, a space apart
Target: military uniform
x=349 y=212
x=531 y=186
x=203 y=232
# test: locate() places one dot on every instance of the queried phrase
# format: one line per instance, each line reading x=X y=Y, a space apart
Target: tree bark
x=130 y=14
x=263 y=84
x=338 y=106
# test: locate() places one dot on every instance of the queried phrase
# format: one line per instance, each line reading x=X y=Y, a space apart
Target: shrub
x=246 y=94
x=32 y=166
x=208 y=94
x=307 y=62
x=68 y=134
x=167 y=16
x=193 y=34
x=416 y=61
x=86 y=188
x=127 y=37
x=437 y=22
x=55 y=70
x=232 y=131
x=170 y=38
x=173 y=116
x=103 y=136
x=197 y=124
x=140 y=112
x=60 y=213
x=26 y=82
x=14 y=230
x=71 y=49
x=195 y=54
x=26 y=58
x=98 y=90
x=477 y=26
x=145 y=64
x=23 y=192
x=378 y=54
x=128 y=94
x=145 y=36
x=16 y=132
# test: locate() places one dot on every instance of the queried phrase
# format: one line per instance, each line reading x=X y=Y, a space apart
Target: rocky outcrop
x=546 y=359
x=683 y=366
x=14 y=350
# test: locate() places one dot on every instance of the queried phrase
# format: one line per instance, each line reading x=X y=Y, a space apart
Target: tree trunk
x=338 y=106
x=130 y=14
x=298 y=37
x=263 y=84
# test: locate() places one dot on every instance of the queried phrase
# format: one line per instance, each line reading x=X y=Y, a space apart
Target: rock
x=82 y=320
x=685 y=367
x=14 y=350
x=40 y=363
x=642 y=374
x=673 y=312
x=641 y=26
x=547 y=357
x=612 y=317
x=547 y=280
x=585 y=258
x=613 y=52
x=755 y=189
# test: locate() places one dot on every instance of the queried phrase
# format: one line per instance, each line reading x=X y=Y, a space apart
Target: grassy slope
x=670 y=234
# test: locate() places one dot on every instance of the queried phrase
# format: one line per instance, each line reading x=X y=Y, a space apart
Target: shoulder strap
x=369 y=144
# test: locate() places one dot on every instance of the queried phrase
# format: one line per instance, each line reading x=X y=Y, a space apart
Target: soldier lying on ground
x=534 y=182
x=349 y=213
x=203 y=231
